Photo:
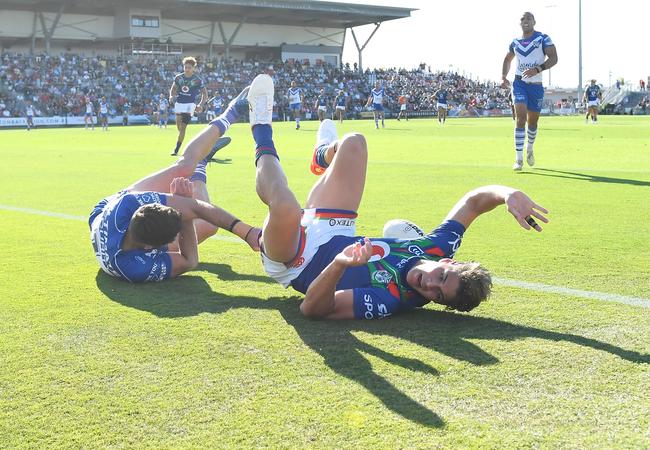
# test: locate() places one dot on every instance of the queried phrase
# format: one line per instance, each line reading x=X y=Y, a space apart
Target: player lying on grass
x=344 y=276
x=150 y=230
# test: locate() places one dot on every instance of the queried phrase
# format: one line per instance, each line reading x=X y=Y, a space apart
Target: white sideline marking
x=633 y=301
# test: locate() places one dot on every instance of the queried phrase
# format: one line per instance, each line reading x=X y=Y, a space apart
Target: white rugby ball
x=402 y=229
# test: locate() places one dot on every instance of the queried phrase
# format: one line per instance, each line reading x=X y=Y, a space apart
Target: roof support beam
x=211 y=40
x=227 y=42
x=360 y=49
x=48 y=33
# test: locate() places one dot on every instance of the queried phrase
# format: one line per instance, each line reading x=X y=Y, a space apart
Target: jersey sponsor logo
x=140 y=259
x=456 y=242
x=379 y=251
x=185 y=89
x=382 y=276
x=402 y=263
x=416 y=250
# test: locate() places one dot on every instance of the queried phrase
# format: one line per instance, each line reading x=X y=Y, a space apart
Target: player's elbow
x=310 y=310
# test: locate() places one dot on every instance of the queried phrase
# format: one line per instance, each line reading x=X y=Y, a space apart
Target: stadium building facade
x=243 y=29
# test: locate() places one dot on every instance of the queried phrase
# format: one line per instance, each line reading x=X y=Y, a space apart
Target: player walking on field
x=592 y=98
x=441 y=104
x=185 y=88
x=535 y=52
x=296 y=97
x=340 y=104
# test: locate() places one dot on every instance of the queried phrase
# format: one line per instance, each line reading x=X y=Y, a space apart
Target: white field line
x=539 y=287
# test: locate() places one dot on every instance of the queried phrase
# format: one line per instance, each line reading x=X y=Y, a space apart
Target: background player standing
x=88 y=117
x=340 y=104
x=321 y=105
x=376 y=98
x=29 y=113
x=184 y=90
x=441 y=104
x=163 y=111
x=296 y=98
x=403 y=102
x=592 y=98
x=103 y=113
x=535 y=53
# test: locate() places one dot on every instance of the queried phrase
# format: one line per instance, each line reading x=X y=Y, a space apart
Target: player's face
x=293 y=84
x=188 y=68
x=437 y=281
x=377 y=85
x=527 y=23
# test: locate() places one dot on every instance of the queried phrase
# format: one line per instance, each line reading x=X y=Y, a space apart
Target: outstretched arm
x=486 y=198
x=322 y=300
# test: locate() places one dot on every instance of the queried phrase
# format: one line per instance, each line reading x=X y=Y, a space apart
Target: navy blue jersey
x=188 y=88
x=593 y=92
x=381 y=284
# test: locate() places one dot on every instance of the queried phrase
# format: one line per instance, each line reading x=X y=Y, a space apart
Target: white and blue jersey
x=379 y=287
x=216 y=105
x=295 y=97
x=109 y=222
x=378 y=99
x=89 y=108
x=29 y=112
x=530 y=52
x=103 y=108
x=163 y=105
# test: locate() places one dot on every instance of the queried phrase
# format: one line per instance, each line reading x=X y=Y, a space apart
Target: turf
x=222 y=358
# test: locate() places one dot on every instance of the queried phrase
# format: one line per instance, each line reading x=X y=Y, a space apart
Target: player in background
x=126 y=108
x=320 y=105
x=215 y=104
x=90 y=110
x=150 y=230
x=29 y=116
x=103 y=113
x=376 y=99
x=403 y=102
x=296 y=97
x=340 y=105
x=592 y=98
x=344 y=276
x=185 y=88
x=163 y=111
x=441 y=104
x=535 y=52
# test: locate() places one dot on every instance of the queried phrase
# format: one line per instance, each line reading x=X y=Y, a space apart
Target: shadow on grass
x=445 y=332
x=224 y=272
x=586 y=177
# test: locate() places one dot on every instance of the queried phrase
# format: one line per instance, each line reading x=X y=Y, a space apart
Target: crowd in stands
x=58 y=85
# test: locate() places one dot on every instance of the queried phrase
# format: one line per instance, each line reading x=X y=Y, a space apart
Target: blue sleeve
x=445 y=240
x=375 y=303
x=141 y=266
x=511 y=47
x=546 y=41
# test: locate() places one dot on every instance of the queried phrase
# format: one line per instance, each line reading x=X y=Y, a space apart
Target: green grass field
x=222 y=358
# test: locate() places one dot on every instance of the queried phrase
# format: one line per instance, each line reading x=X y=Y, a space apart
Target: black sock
x=178 y=146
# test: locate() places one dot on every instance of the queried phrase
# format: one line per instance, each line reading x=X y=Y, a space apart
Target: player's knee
x=286 y=207
x=354 y=143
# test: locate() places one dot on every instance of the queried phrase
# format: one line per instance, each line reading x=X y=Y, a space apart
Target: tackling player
x=344 y=276
x=150 y=230
x=321 y=105
x=376 y=98
x=535 y=53
x=592 y=98
x=184 y=90
x=296 y=98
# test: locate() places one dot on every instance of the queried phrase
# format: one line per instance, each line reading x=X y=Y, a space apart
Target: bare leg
x=342 y=185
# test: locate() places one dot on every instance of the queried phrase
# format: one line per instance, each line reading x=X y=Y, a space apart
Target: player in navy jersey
x=340 y=105
x=185 y=88
x=535 y=52
x=592 y=98
x=321 y=105
x=150 y=230
x=344 y=276
x=296 y=97
x=376 y=99
x=441 y=104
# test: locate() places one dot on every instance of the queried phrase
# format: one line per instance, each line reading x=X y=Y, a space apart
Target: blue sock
x=200 y=173
x=263 y=135
x=224 y=121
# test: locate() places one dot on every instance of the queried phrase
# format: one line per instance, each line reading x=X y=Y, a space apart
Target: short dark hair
x=155 y=224
x=474 y=287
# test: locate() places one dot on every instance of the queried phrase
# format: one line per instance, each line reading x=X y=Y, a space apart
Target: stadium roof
x=311 y=13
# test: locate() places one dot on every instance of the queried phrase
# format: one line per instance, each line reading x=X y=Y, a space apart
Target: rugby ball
x=402 y=229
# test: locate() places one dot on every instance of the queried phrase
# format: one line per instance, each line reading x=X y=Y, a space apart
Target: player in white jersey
x=88 y=117
x=29 y=115
x=592 y=98
x=103 y=113
x=296 y=97
x=376 y=98
x=535 y=53
x=163 y=111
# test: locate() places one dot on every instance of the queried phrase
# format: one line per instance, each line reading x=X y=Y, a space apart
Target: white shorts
x=340 y=108
x=593 y=103
x=441 y=105
x=318 y=226
x=184 y=108
x=322 y=108
x=402 y=108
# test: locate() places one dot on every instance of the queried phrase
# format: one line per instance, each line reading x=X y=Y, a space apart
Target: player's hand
x=197 y=109
x=181 y=187
x=505 y=83
x=525 y=210
x=530 y=73
x=355 y=254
